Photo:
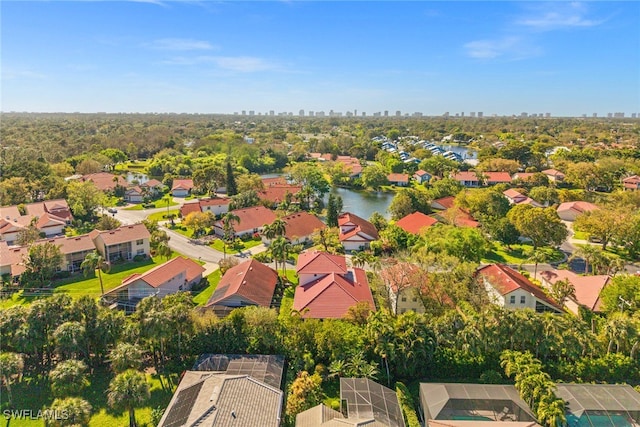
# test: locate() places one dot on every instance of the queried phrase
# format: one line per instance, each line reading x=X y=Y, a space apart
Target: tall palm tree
x=92 y=262
x=11 y=364
x=592 y=256
x=127 y=390
x=537 y=256
x=77 y=412
x=228 y=221
x=279 y=227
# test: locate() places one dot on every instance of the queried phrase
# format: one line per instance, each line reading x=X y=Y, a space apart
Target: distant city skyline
x=500 y=58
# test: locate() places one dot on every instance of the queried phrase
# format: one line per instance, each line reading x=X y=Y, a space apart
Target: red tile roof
x=278 y=180
x=126 y=233
x=189 y=207
x=462 y=218
x=331 y=296
x=465 y=176
x=497 y=177
x=524 y=176
x=316 y=262
x=421 y=173
x=151 y=183
x=360 y=225
x=588 y=288
x=506 y=280
x=182 y=184
x=163 y=272
x=553 y=172
x=251 y=280
x=415 y=222
x=301 y=224
x=446 y=202
x=217 y=201
x=251 y=218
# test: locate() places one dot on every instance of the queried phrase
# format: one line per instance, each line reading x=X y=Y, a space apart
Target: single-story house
x=569 y=211
x=299 y=228
x=181 y=187
x=134 y=194
x=252 y=220
x=587 y=288
x=467 y=178
x=152 y=186
x=510 y=289
x=443 y=203
x=105 y=181
x=631 y=182
x=216 y=205
x=398 y=179
x=493 y=178
x=175 y=275
x=416 y=222
x=248 y=283
x=516 y=198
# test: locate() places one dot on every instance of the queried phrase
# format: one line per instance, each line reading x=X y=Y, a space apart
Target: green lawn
x=518 y=254
x=78 y=285
x=162 y=216
x=203 y=296
x=218 y=245
x=580 y=235
x=34 y=395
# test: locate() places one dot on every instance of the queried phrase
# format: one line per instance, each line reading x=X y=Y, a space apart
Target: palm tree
x=279 y=227
x=125 y=356
x=551 y=411
x=11 y=364
x=163 y=250
x=127 y=390
x=590 y=254
x=92 y=262
x=68 y=378
x=77 y=412
x=228 y=221
x=537 y=256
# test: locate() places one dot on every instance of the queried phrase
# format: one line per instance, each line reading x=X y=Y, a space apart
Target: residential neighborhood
x=396 y=284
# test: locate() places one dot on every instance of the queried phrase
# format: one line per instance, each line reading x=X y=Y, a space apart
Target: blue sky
x=566 y=58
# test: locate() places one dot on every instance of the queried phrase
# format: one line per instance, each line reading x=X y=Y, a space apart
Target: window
x=140 y=252
x=512 y=299
x=523 y=299
x=414 y=299
x=404 y=299
x=139 y=242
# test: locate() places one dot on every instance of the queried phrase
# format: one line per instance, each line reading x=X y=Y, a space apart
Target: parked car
x=112 y=210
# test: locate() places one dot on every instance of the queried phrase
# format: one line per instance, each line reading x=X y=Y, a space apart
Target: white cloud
x=242 y=64
x=180 y=44
x=511 y=48
x=554 y=16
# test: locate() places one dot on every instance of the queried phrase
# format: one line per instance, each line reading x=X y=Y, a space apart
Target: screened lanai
x=600 y=405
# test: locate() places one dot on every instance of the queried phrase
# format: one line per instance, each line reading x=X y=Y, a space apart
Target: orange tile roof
x=126 y=233
x=505 y=280
x=553 y=172
x=398 y=177
x=331 y=296
x=163 y=272
x=104 y=181
x=182 y=184
x=588 y=288
x=316 y=262
x=465 y=176
x=189 y=207
x=9 y=212
x=276 y=193
x=217 y=201
x=250 y=280
x=301 y=224
x=415 y=222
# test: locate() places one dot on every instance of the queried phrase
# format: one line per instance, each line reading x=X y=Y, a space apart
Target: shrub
x=138 y=258
x=61 y=275
x=408 y=405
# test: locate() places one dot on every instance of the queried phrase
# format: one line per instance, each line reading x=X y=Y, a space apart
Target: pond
x=363 y=203
x=464 y=152
x=134 y=176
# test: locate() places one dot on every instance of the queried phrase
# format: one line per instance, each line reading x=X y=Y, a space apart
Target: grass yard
x=203 y=296
x=581 y=235
x=35 y=394
x=78 y=285
x=518 y=254
x=218 y=245
x=162 y=216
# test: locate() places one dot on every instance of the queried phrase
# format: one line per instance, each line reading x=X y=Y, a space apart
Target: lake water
x=465 y=152
x=363 y=203
x=140 y=177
